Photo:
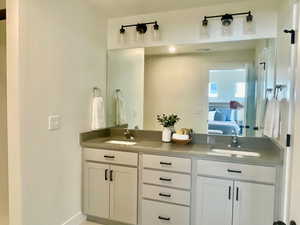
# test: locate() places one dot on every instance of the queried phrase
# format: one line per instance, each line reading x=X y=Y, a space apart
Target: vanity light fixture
x=227 y=19
x=141 y=29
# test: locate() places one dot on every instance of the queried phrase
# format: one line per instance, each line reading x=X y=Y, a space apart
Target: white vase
x=167 y=134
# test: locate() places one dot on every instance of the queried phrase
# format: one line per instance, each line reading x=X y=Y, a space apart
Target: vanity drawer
x=166 y=194
x=166 y=179
x=157 y=213
x=117 y=157
x=237 y=171
x=167 y=163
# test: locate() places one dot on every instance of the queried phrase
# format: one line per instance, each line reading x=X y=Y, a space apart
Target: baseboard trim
x=77 y=219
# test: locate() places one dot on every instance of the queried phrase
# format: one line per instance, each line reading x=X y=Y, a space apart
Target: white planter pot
x=167 y=134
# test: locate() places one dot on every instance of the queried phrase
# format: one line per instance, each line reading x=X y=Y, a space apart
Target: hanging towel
x=276 y=129
x=272 y=119
x=120 y=110
x=98 y=113
x=284 y=118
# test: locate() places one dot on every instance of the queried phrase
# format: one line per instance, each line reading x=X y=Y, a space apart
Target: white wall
x=172 y=88
x=126 y=72
x=59 y=52
x=3 y=126
x=183 y=26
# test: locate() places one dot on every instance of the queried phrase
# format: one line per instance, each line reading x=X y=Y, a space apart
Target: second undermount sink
x=236 y=152
x=117 y=142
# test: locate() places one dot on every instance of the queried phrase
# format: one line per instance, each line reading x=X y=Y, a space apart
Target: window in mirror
x=213 y=90
x=240 y=90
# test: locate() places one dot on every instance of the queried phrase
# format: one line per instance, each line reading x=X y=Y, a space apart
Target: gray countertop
x=269 y=155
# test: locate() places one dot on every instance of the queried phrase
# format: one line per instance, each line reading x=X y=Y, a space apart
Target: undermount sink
x=116 y=142
x=236 y=152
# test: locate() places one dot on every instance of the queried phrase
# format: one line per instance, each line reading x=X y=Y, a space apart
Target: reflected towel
x=284 y=119
x=272 y=119
x=98 y=113
x=120 y=110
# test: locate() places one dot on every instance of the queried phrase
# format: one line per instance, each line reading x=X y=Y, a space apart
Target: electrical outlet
x=54 y=122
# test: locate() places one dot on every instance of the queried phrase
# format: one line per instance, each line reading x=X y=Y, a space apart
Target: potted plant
x=168 y=122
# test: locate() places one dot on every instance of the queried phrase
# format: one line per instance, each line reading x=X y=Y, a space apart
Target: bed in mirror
x=216 y=88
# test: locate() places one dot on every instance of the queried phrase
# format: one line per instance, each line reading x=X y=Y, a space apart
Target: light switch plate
x=54 y=122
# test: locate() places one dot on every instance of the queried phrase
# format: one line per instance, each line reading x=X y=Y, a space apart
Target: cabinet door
x=123 y=194
x=253 y=204
x=96 y=189
x=214 y=201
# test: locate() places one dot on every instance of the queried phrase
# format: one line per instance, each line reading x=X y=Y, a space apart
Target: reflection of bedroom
x=227 y=95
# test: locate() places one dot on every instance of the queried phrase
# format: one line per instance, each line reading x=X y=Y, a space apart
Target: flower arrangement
x=168 y=120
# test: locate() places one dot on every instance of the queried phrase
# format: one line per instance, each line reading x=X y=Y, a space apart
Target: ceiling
x=120 y=8
x=203 y=48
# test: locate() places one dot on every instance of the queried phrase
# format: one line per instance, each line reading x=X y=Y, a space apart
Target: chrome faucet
x=235 y=140
x=128 y=135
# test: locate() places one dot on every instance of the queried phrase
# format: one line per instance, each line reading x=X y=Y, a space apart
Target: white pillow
x=211 y=115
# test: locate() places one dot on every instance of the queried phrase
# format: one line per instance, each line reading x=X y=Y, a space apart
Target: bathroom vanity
x=148 y=182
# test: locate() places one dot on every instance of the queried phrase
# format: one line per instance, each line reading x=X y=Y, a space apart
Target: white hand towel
x=98 y=113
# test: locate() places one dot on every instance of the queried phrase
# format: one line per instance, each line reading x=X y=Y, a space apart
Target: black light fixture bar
x=140 y=27
x=233 y=14
x=205 y=22
x=2 y=14
x=135 y=25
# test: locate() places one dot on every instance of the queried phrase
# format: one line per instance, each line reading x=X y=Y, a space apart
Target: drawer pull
x=166 y=163
x=165 y=179
x=234 y=171
x=165 y=195
x=106 y=171
x=237 y=194
x=164 y=218
x=109 y=156
x=111 y=175
x=229 y=193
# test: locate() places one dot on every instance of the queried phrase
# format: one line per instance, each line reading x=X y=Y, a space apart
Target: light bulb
x=172 y=49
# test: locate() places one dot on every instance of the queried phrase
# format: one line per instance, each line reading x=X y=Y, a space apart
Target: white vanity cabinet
x=238 y=197
x=166 y=186
x=110 y=190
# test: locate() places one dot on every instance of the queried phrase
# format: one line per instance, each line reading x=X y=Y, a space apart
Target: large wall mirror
x=217 y=88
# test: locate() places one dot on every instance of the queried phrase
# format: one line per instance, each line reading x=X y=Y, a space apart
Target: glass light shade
x=139 y=37
x=204 y=31
x=227 y=30
x=122 y=38
x=249 y=27
x=155 y=35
